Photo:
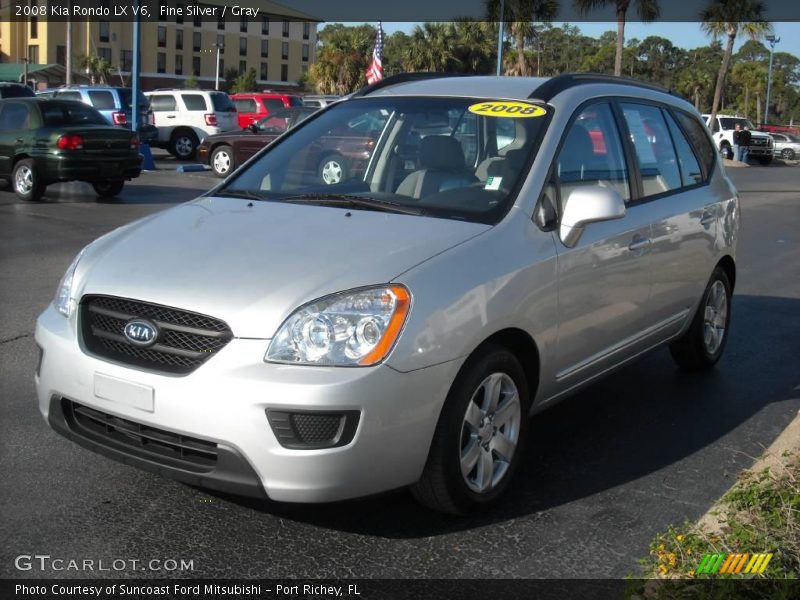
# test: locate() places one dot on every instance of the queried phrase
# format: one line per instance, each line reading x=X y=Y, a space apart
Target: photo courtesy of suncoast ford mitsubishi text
x=500 y=244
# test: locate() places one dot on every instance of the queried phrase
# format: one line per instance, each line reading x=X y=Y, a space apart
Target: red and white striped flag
x=375 y=71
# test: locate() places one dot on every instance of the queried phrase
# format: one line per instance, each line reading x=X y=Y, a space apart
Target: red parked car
x=252 y=107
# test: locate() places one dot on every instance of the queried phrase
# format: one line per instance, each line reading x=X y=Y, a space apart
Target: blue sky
x=685 y=35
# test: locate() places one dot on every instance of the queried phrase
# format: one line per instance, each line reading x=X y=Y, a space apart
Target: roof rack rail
x=403 y=78
x=555 y=85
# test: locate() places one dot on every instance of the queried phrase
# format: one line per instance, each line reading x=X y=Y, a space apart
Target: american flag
x=375 y=71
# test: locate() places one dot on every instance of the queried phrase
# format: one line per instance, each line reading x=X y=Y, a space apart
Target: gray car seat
x=443 y=168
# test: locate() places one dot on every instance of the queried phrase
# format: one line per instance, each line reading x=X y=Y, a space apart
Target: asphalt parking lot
x=605 y=470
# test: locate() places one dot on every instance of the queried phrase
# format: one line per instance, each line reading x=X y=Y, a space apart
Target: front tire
x=222 y=161
x=787 y=154
x=108 y=189
x=704 y=342
x=26 y=181
x=480 y=436
x=183 y=144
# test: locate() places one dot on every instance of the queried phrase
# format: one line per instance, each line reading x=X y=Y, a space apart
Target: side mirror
x=253 y=128
x=586 y=205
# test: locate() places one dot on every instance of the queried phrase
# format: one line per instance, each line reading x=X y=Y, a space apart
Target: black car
x=47 y=141
x=15 y=90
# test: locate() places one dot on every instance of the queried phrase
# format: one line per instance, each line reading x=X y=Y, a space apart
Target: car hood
x=253 y=263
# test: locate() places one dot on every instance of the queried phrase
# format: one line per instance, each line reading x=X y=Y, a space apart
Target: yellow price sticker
x=507 y=109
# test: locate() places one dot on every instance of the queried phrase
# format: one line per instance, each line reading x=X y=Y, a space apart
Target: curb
x=772 y=458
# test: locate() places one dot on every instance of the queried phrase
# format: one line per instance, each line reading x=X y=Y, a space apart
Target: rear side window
x=103 y=100
x=16 y=91
x=295 y=101
x=14 y=116
x=245 y=105
x=690 y=167
x=222 y=103
x=70 y=96
x=163 y=102
x=658 y=164
x=698 y=138
x=273 y=105
x=126 y=95
x=591 y=154
x=194 y=101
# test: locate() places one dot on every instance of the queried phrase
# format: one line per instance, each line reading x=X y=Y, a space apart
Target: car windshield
x=731 y=123
x=458 y=158
x=59 y=114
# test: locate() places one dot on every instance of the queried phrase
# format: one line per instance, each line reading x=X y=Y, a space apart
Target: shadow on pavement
x=133 y=193
x=643 y=418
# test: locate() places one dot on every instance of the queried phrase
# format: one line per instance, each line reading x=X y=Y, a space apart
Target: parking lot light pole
x=500 y=35
x=772 y=41
x=216 y=78
x=137 y=39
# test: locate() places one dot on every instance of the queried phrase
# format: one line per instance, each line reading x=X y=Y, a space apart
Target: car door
x=683 y=208
x=604 y=280
x=246 y=145
x=247 y=110
x=165 y=114
x=14 y=132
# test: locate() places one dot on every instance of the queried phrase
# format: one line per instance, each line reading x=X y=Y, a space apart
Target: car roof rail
x=555 y=85
x=403 y=78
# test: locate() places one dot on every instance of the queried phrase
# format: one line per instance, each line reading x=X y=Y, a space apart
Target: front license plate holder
x=124 y=393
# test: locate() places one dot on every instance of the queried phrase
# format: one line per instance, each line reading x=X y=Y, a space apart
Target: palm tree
x=432 y=48
x=728 y=17
x=520 y=15
x=98 y=69
x=692 y=81
x=647 y=10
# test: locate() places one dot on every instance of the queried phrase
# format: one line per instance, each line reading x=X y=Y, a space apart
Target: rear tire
x=726 y=151
x=332 y=169
x=222 y=161
x=26 y=181
x=787 y=154
x=108 y=189
x=183 y=144
x=704 y=342
x=480 y=436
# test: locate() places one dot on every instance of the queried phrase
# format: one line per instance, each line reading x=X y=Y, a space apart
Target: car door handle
x=170 y=116
x=639 y=244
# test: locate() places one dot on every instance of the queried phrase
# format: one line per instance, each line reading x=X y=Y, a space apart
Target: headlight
x=356 y=328
x=63 y=299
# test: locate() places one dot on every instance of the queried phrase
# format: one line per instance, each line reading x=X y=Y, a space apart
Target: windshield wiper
x=355 y=202
x=246 y=194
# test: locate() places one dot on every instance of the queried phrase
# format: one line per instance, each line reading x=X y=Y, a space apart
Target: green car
x=45 y=141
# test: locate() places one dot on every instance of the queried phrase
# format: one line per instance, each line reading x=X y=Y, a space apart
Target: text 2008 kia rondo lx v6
x=509 y=241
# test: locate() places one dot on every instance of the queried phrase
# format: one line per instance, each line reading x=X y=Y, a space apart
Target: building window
x=196 y=66
x=104 y=28
x=61 y=55
x=265 y=25
x=242 y=67
x=162 y=36
x=221 y=66
x=243 y=25
x=126 y=60
x=198 y=21
x=33 y=54
x=34 y=28
x=285 y=28
x=285 y=50
x=221 y=22
x=264 y=48
x=161 y=62
x=242 y=46
x=264 y=71
x=221 y=42
x=179 y=39
x=105 y=54
x=197 y=38
x=284 y=72
x=162 y=16
x=178 y=64
x=306 y=30
x=179 y=14
x=305 y=52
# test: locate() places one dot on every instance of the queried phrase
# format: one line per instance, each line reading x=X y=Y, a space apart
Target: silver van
x=507 y=242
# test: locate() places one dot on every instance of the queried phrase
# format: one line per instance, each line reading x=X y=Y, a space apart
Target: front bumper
x=225 y=401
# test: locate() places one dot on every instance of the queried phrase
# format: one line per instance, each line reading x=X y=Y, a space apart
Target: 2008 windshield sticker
x=508 y=109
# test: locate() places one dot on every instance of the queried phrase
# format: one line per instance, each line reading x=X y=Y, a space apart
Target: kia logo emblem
x=140 y=332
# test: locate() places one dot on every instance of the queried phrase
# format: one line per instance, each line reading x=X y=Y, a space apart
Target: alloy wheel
x=715 y=317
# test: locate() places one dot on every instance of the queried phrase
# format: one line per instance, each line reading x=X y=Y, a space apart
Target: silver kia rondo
x=493 y=245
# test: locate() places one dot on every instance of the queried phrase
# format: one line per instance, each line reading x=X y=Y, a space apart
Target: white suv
x=761 y=144
x=184 y=117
